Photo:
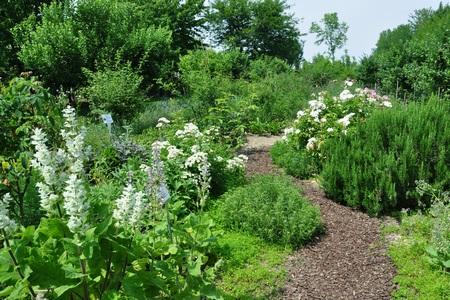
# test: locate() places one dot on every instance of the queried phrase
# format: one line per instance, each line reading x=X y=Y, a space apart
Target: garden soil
x=348 y=261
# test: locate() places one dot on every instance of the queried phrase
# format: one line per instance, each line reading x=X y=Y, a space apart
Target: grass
x=254 y=269
x=416 y=277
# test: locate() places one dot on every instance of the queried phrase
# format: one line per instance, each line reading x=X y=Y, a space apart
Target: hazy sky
x=366 y=20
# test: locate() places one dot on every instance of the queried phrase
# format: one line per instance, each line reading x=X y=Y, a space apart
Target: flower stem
x=83 y=270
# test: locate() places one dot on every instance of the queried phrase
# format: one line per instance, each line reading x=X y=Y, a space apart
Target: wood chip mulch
x=348 y=261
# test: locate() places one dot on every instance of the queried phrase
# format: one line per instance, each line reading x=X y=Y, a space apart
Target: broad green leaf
x=59 y=291
x=194 y=267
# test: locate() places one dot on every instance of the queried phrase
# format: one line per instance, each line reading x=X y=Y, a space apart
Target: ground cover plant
x=253 y=269
x=421 y=250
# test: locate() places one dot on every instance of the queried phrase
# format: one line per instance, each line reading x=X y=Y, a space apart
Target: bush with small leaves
x=271 y=208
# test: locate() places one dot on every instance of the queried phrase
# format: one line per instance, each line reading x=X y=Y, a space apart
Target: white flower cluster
x=162 y=122
x=173 y=152
x=212 y=131
x=43 y=162
x=6 y=223
x=316 y=107
x=202 y=180
x=289 y=131
x=237 y=162
x=348 y=83
x=345 y=121
x=73 y=193
x=74 y=140
x=311 y=145
x=189 y=129
x=75 y=204
x=130 y=207
x=346 y=95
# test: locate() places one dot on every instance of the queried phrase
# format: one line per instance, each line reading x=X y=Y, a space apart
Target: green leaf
x=6 y=291
x=431 y=251
x=194 y=268
x=210 y=292
x=59 y=291
x=72 y=272
x=53 y=228
x=103 y=226
x=133 y=286
x=446 y=264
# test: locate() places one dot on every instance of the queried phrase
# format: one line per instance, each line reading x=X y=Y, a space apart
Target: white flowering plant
x=137 y=245
x=197 y=163
x=327 y=116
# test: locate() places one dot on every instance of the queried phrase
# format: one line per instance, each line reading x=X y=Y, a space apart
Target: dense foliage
x=376 y=167
x=413 y=59
x=270 y=207
x=257 y=27
x=421 y=251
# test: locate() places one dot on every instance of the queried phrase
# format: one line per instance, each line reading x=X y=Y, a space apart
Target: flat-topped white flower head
x=345 y=121
x=346 y=95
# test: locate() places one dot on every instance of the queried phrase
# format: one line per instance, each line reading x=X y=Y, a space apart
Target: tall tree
x=231 y=22
x=332 y=33
x=13 y=12
x=260 y=27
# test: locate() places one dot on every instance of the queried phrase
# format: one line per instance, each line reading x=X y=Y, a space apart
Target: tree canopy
x=332 y=33
x=261 y=27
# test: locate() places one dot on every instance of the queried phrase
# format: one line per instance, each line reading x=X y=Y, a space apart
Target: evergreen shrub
x=376 y=167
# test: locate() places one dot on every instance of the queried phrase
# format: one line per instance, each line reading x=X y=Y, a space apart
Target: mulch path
x=348 y=261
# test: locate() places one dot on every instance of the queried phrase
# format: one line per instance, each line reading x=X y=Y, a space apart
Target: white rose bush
x=149 y=242
x=326 y=116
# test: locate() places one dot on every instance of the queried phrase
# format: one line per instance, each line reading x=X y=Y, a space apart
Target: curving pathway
x=349 y=261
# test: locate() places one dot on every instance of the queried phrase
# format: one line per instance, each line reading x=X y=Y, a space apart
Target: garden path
x=348 y=261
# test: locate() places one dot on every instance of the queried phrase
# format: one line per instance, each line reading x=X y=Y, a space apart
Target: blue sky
x=366 y=19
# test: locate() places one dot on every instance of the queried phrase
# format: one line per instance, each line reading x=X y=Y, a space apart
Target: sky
x=366 y=20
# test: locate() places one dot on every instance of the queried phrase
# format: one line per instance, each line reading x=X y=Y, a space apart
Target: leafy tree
x=332 y=33
x=274 y=32
x=260 y=27
x=231 y=22
x=185 y=19
x=13 y=12
x=413 y=59
x=98 y=34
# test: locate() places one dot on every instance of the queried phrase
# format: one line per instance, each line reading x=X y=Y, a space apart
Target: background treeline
x=412 y=60
x=125 y=56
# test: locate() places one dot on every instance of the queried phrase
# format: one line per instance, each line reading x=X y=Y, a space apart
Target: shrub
x=151 y=113
x=295 y=163
x=325 y=118
x=376 y=167
x=266 y=66
x=322 y=70
x=271 y=208
x=116 y=91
